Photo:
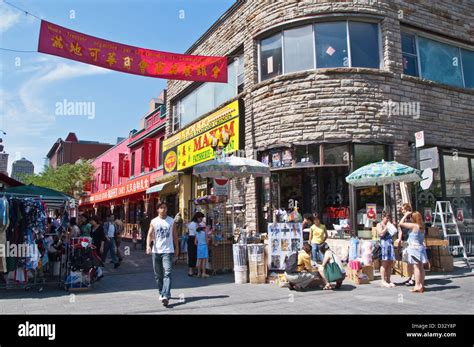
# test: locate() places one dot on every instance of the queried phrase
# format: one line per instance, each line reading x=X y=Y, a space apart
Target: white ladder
x=444 y=211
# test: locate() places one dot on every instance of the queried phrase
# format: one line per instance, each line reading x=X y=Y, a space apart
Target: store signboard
x=201 y=188
x=133 y=186
x=192 y=145
x=284 y=239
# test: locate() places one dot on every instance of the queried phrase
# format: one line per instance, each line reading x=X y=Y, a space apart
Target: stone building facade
x=348 y=104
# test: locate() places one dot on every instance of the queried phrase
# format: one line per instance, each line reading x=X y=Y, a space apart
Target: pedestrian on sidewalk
x=109 y=229
x=119 y=229
x=416 y=250
x=98 y=240
x=163 y=234
x=192 y=247
x=144 y=227
x=201 y=241
x=135 y=237
x=388 y=251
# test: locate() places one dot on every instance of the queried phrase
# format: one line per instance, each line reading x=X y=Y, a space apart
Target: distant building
x=3 y=162
x=71 y=149
x=22 y=167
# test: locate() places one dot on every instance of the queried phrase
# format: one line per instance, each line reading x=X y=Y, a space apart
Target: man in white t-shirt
x=164 y=235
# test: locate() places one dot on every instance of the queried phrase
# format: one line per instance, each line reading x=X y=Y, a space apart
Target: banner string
x=35 y=16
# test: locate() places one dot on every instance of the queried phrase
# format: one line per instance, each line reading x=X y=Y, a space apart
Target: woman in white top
x=192 y=248
x=74 y=230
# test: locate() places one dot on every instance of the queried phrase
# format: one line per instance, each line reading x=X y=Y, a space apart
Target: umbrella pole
x=232 y=202
x=384 y=199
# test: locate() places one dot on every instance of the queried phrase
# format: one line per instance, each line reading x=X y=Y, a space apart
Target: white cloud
x=26 y=111
x=9 y=17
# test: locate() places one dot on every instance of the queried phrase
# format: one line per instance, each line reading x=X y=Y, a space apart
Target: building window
x=467 y=58
x=142 y=166
x=271 y=63
x=410 y=61
x=132 y=165
x=366 y=154
x=437 y=61
x=458 y=183
x=336 y=44
x=336 y=154
x=331 y=45
x=440 y=62
x=299 y=50
x=206 y=97
x=364 y=44
x=160 y=152
x=240 y=74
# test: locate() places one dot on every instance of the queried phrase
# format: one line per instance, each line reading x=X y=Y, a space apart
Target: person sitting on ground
x=329 y=256
x=302 y=277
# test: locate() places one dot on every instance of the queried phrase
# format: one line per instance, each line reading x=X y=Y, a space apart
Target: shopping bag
x=333 y=272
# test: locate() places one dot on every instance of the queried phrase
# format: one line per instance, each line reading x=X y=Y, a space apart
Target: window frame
x=428 y=36
x=313 y=23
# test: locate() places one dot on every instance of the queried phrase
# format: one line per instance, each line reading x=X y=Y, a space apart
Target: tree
x=67 y=178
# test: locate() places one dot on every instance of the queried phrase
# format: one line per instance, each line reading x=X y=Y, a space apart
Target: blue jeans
x=316 y=254
x=110 y=247
x=162 y=264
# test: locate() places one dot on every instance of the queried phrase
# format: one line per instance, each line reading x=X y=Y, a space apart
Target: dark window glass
x=307 y=155
x=132 y=165
x=408 y=43
x=331 y=45
x=270 y=57
x=440 y=62
x=160 y=152
x=468 y=67
x=366 y=154
x=458 y=184
x=336 y=154
x=364 y=44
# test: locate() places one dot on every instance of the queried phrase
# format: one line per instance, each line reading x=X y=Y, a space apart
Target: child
x=135 y=237
x=202 y=252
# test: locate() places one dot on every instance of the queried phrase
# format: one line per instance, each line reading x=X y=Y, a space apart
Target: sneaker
x=116 y=265
x=165 y=301
x=161 y=298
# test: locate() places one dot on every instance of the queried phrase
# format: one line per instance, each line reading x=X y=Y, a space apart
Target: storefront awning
x=159 y=187
x=167 y=177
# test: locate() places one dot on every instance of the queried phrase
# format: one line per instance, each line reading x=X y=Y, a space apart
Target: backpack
x=291 y=263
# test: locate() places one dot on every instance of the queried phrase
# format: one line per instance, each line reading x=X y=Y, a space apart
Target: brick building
x=328 y=86
x=69 y=150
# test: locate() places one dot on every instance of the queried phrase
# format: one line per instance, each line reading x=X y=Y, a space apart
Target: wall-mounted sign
x=192 y=145
x=221 y=186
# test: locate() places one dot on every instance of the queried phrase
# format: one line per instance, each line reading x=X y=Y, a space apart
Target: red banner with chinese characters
x=150 y=153
x=106 y=174
x=124 y=165
x=88 y=186
x=66 y=43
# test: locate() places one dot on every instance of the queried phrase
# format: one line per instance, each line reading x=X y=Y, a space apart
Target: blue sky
x=32 y=83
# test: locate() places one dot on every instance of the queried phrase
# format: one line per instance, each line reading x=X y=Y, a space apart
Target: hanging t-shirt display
x=284 y=239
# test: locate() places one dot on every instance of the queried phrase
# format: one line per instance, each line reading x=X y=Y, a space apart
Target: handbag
x=332 y=271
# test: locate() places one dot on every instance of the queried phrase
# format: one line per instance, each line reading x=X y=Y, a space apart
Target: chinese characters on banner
x=124 y=165
x=106 y=174
x=69 y=44
x=150 y=153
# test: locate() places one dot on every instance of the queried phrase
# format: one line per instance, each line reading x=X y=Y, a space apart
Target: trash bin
x=240 y=263
x=256 y=256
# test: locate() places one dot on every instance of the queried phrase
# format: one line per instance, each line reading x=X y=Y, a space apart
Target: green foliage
x=67 y=178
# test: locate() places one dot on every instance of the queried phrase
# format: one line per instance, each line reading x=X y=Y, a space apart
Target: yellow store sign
x=192 y=145
x=199 y=150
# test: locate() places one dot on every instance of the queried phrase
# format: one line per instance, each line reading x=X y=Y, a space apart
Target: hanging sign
x=106 y=175
x=221 y=186
x=124 y=165
x=69 y=44
x=150 y=153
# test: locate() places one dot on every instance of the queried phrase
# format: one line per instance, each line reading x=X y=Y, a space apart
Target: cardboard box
x=369 y=271
x=402 y=269
x=445 y=263
x=434 y=232
x=357 y=276
x=438 y=251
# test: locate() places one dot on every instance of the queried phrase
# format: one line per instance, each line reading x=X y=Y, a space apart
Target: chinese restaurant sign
x=192 y=145
x=150 y=153
x=137 y=185
x=66 y=43
x=106 y=177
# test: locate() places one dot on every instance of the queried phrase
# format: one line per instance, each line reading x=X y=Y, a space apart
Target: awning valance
x=159 y=187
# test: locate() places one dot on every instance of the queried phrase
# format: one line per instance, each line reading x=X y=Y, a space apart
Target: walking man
x=109 y=229
x=164 y=235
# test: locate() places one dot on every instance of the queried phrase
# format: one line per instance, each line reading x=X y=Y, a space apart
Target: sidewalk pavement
x=131 y=289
